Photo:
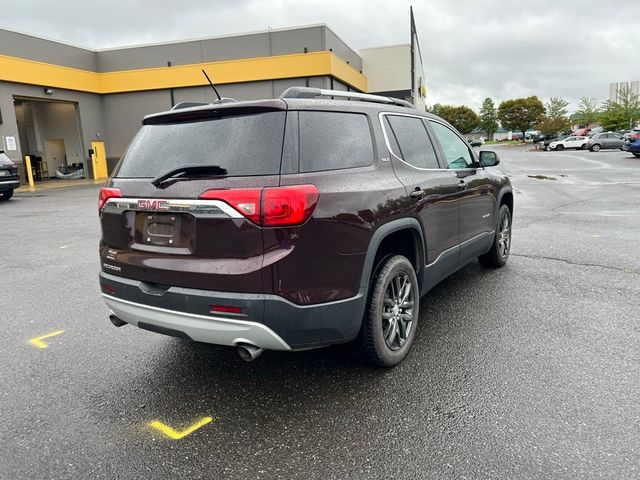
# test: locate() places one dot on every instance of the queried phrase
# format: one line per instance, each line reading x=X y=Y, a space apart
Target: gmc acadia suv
x=296 y=223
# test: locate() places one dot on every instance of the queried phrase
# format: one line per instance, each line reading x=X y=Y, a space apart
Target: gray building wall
x=115 y=118
x=41 y=50
x=251 y=45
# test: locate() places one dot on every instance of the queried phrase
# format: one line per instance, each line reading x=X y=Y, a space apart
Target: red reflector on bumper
x=225 y=309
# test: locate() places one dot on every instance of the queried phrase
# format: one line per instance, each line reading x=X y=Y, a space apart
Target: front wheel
x=595 y=148
x=637 y=155
x=391 y=317
x=499 y=254
x=559 y=147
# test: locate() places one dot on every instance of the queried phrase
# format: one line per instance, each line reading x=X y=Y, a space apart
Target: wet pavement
x=531 y=371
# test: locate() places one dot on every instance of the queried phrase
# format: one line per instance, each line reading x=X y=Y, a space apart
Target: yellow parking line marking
x=38 y=340
x=64 y=246
x=176 y=435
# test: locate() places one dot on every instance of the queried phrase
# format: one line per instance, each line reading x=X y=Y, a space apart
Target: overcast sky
x=471 y=48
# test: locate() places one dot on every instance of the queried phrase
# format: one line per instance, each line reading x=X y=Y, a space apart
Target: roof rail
x=308 y=92
x=181 y=105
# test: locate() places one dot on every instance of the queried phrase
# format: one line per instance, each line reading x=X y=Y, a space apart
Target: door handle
x=417 y=193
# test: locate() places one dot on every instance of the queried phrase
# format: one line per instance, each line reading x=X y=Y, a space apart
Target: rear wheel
x=6 y=195
x=391 y=316
x=499 y=254
x=595 y=148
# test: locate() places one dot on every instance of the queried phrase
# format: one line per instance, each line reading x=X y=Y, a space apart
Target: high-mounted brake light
x=106 y=193
x=271 y=207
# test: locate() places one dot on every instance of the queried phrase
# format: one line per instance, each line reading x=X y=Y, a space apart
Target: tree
x=435 y=109
x=588 y=112
x=521 y=114
x=489 y=118
x=462 y=118
x=622 y=113
x=556 y=119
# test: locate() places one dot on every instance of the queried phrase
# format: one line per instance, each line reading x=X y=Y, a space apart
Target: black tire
x=583 y=146
x=384 y=342
x=559 y=148
x=499 y=254
x=6 y=195
x=637 y=155
x=595 y=148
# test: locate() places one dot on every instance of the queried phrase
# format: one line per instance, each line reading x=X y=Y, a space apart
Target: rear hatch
x=197 y=226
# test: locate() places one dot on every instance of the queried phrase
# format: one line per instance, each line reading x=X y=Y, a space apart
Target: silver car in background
x=603 y=140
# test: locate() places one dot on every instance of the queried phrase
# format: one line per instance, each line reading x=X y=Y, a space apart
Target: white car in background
x=579 y=143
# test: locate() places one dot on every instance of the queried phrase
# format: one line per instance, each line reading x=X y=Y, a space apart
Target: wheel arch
x=405 y=226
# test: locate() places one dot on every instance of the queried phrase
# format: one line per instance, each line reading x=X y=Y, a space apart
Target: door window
x=456 y=151
x=413 y=141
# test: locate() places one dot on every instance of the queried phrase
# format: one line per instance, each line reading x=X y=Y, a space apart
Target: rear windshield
x=4 y=159
x=243 y=145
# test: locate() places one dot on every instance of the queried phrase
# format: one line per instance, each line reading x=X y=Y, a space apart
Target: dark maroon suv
x=296 y=223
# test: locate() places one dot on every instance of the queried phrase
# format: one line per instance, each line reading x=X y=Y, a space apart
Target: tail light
x=106 y=193
x=271 y=207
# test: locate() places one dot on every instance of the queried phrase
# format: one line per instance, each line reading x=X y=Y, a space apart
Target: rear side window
x=244 y=145
x=334 y=140
x=413 y=141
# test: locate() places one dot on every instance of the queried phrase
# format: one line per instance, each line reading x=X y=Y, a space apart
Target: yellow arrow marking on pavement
x=38 y=340
x=174 y=434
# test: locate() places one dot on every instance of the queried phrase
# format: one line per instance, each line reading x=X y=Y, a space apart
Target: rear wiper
x=196 y=170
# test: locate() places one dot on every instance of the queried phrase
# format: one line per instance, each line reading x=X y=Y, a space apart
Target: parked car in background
x=604 y=140
x=633 y=134
x=476 y=143
x=545 y=141
x=632 y=146
x=516 y=135
x=577 y=142
x=581 y=132
x=9 y=179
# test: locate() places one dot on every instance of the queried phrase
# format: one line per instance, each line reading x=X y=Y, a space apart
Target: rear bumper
x=267 y=321
x=208 y=329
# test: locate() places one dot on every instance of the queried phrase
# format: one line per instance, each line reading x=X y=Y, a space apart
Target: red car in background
x=582 y=132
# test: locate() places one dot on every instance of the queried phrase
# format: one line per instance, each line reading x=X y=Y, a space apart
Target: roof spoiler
x=182 y=105
x=308 y=92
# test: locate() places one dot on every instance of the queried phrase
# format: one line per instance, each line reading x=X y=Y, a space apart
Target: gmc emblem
x=153 y=205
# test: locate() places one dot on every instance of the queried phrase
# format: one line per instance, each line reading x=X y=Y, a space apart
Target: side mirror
x=489 y=158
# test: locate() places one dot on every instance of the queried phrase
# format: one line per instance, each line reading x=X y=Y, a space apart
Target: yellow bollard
x=27 y=160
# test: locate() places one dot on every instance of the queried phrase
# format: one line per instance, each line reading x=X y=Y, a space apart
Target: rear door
x=188 y=231
x=431 y=190
x=477 y=194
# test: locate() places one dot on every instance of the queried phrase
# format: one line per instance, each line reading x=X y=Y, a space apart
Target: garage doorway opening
x=49 y=132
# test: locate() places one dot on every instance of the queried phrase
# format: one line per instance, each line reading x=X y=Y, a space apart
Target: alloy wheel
x=398 y=311
x=504 y=236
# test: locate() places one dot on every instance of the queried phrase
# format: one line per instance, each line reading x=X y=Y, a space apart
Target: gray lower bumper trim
x=208 y=329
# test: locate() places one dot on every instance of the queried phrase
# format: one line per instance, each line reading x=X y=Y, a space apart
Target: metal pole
x=27 y=161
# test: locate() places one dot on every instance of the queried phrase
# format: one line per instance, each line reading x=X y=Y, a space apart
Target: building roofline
x=214 y=37
x=47 y=39
x=172 y=42
x=387 y=46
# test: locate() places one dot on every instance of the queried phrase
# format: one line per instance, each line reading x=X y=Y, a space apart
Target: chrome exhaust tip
x=116 y=321
x=249 y=352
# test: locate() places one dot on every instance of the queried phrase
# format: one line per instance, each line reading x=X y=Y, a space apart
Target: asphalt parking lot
x=532 y=371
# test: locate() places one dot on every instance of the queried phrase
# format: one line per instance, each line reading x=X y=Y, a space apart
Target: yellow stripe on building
x=276 y=67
